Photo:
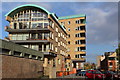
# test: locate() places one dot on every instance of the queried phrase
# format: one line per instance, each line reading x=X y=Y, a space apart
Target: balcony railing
x=26 y=29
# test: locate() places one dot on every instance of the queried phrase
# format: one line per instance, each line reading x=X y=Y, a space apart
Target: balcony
x=80 y=38
x=82 y=53
x=36 y=29
x=79 y=59
x=80 y=45
x=29 y=40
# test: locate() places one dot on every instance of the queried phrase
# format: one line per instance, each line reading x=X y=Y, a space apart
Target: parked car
x=111 y=75
x=81 y=73
x=94 y=74
x=78 y=70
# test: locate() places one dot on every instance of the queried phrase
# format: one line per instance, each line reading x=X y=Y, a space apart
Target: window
x=61 y=42
x=80 y=35
x=78 y=42
x=52 y=36
x=15 y=25
x=77 y=56
x=52 y=47
x=68 y=29
x=69 y=35
x=46 y=35
x=56 y=29
x=62 y=23
x=89 y=72
x=54 y=62
x=40 y=14
x=58 y=43
x=111 y=63
x=65 y=38
x=35 y=47
x=52 y=25
x=33 y=36
x=58 y=34
x=56 y=49
x=59 y=61
x=61 y=34
x=68 y=22
x=20 y=25
x=56 y=39
x=25 y=36
x=82 y=21
x=77 y=49
x=68 y=42
x=77 y=21
x=39 y=35
x=14 y=37
x=45 y=25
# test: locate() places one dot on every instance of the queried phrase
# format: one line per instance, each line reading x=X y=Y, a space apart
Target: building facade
x=34 y=27
x=76 y=39
x=108 y=61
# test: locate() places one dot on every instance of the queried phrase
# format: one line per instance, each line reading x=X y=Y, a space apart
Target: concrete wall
x=15 y=67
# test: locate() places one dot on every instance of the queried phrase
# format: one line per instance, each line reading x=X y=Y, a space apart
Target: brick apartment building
x=108 y=61
x=76 y=29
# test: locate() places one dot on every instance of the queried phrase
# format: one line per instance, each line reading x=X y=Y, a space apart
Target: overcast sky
x=101 y=26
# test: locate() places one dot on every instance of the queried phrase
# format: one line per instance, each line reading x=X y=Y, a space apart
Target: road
x=72 y=76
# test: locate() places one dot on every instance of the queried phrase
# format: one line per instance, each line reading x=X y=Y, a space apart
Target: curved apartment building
x=34 y=27
x=62 y=40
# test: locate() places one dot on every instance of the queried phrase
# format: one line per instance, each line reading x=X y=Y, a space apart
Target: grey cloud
x=102 y=26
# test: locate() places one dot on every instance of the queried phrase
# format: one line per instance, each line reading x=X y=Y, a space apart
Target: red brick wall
x=113 y=65
x=15 y=67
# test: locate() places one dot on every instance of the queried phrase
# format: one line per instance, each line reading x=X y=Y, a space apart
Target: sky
x=101 y=26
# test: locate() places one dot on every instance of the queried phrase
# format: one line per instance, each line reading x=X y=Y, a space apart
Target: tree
x=118 y=55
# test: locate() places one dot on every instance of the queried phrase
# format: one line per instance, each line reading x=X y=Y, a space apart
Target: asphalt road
x=72 y=76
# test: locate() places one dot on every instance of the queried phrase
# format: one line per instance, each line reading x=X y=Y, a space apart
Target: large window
x=33 y=36
x=46 y=35
x=34 y=25
x=45 y=25
x=28 y=15
x=35 y=47
x=39 y=35
x=19 y=36
x=39 y=25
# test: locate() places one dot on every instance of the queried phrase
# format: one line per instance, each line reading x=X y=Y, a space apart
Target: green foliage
x=118 y=53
